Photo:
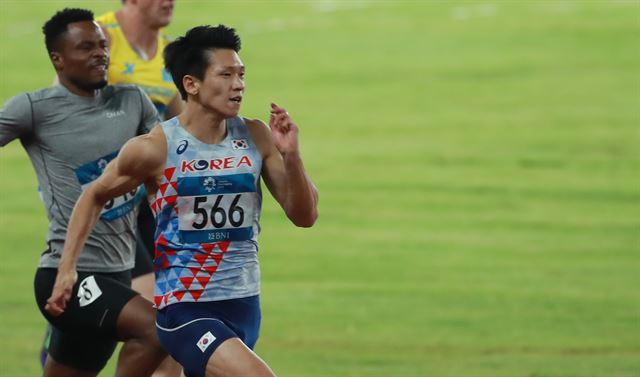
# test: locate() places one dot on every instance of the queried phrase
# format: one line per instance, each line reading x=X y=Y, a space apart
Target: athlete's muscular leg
x=144 y=285
x=168 y=368
x=53 y=368
x=143 y=279
x=234 y=359
x=141 y=353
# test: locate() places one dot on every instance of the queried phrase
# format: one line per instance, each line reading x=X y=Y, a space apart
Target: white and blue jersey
x=207 y=210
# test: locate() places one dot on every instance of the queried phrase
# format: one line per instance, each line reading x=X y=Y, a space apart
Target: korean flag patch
x=205 y=341
x=239 y=144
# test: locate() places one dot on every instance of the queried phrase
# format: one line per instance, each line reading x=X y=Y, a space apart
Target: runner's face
x=84 y=56
x=223 y=86
x=157 y=12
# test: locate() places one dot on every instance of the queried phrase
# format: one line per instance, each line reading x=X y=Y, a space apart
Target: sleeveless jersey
x=207 y=212
x=127 y=67
x=69 y=140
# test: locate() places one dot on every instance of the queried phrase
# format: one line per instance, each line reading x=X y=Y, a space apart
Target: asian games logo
x=209 y=184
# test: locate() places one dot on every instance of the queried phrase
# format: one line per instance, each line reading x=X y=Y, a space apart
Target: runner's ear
x=57 y=60
x=191 y=85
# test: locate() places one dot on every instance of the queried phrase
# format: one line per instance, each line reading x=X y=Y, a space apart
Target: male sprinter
x=70 y=132
x=136 y=43
x=203 y=172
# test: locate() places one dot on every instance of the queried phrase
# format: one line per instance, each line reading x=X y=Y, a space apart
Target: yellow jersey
x=127 y=67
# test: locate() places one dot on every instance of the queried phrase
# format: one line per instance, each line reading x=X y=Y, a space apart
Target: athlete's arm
x=175 y=107
x=138 y=162
x=15 y=119
x=282 y=167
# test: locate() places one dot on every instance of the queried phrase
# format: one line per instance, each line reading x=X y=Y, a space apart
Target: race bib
x=88 y=291
x=216 y=208
x=116 y=207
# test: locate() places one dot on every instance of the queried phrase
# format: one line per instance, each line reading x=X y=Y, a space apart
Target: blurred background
x=479 y=173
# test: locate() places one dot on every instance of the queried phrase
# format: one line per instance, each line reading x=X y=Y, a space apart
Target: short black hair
x=57 y=25
x=189 y=55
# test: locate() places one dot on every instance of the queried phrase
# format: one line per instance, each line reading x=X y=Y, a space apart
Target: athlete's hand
x=57 y=303
x=284 y=131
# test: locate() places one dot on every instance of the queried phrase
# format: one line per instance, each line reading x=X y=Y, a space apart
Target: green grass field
x=479 y=170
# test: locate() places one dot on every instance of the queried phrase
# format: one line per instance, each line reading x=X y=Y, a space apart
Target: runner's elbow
x=95 y=197
x=305 y=220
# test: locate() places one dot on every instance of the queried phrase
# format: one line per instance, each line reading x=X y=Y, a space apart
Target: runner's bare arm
x=137 y=162
x=283 y=170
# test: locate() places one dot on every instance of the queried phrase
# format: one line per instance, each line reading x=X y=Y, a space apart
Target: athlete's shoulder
x=149 y=143
x=256 y=124
x=123 y=87
x=128 y=94
x=259 y=129
x=17 y=100
x=123 y=90
x=108 y=20
x=52 y=92
x=144 y=154
x=43 y=102
x=261 y=135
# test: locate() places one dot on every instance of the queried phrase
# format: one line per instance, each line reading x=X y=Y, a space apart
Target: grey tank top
x=69 y=140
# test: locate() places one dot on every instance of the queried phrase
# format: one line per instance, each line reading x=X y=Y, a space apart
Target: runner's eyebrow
x=238 y=67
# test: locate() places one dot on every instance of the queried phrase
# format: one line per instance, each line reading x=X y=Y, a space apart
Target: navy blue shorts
x=191 y=331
